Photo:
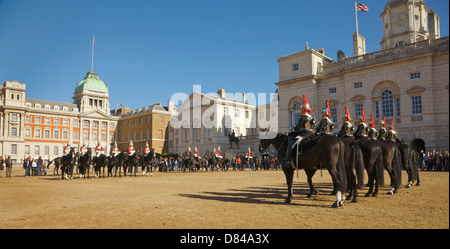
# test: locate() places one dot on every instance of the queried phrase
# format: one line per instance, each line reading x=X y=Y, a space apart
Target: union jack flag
x=362 y=7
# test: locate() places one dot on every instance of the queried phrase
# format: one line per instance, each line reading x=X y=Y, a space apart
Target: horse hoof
x=288 y=200
x=367 y=195
x=335 y=205
x=408 y=186
x=375 y=194
x=354 y=200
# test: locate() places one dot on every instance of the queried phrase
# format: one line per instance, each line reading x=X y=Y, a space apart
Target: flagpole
x=92 y=59
x=356 y=18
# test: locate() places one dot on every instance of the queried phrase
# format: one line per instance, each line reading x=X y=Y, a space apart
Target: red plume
x=328 y=109
x=392 y=124
x=364 y=116
x=347 y=114
x=384 y=122
x=372 y=120
x=306 y=108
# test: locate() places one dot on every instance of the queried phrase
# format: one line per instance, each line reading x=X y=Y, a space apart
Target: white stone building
x=407 y=80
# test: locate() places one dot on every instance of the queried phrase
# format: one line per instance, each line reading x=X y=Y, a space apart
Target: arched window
x=296 y=114
x=387 y=103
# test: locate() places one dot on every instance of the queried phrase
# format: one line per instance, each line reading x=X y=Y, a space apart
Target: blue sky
x=148 y=50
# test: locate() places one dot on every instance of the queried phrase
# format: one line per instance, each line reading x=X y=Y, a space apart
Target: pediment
x=95 y=114
x=358 y=98
x=415 y=90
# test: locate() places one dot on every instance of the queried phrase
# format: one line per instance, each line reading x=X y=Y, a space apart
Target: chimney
x=340 y=56
x=221 y=93
x=171 y=106
x=244 y=98
x=433 y=22
x=359 y=44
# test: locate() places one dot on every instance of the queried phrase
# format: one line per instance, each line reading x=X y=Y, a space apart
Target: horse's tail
x=359 y=164
x=379 y=168
x=48 y=165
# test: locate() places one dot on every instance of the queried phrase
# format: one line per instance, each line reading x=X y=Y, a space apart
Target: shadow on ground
x=272 y=195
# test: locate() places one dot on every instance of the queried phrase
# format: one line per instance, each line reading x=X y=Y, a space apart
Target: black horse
x=130 y=162
x=392 y=164
x=328 y=152
x=58 y=162
x=84 y=163
x=67 y=164
x=409 y=163
x=146 y=162
x=233 y=139
x=100 y=162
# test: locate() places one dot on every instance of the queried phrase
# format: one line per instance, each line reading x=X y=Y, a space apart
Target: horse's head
x=264 y=144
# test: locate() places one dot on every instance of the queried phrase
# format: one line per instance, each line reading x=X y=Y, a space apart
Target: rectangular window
x=377 y=110
x=332 y=90
x=46 y=150
x=358 y=110
x=415 y=75
x=46 y=133
x=14 y=149
x=76 y=135
x=65 y=135
x=55 y=134
x=295 y=67
x=37 y=133
x=37 y=150
x=27 y=133
x=76 y=123
x=27 y=119
x=333 y=112
x=55 y=150
x=14 y=131
x=37 y=120
x=27 y=150
x=416 y=105
x=56 y=121
x=397 y=107
x=47 y=121
x=357 y=85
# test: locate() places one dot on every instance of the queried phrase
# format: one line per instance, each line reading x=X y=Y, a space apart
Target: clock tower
x=404 y=22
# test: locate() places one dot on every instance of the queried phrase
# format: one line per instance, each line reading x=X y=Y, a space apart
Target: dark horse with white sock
x=327 y=152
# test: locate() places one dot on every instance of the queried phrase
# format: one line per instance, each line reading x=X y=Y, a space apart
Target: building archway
x=418 y=144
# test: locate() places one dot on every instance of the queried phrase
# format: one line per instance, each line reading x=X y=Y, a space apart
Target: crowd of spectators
x=434 y=161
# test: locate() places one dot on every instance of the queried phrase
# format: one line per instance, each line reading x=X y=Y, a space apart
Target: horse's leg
x=310 y=173
x=289 y=174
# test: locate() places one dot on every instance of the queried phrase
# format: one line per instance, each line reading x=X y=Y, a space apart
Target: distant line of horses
x=122 y=161
x=113 y=165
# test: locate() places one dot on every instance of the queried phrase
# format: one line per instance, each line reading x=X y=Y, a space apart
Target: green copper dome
x=92 y=82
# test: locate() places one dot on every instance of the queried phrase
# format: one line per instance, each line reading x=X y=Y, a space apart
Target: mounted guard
x=325 y=125
x=347 y=127
x=147 y=149
x=219 y=153
x=66 y=149
x=99 y=150
x=382 y=132
x=302 y=130
x=372 y=131
x=249 y=153
x=362 y=130
x=83 y=148
x=392 y=134
x=131 y=150
x=115 y=150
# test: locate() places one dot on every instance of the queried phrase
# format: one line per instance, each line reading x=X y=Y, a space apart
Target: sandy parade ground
x=214 y=200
